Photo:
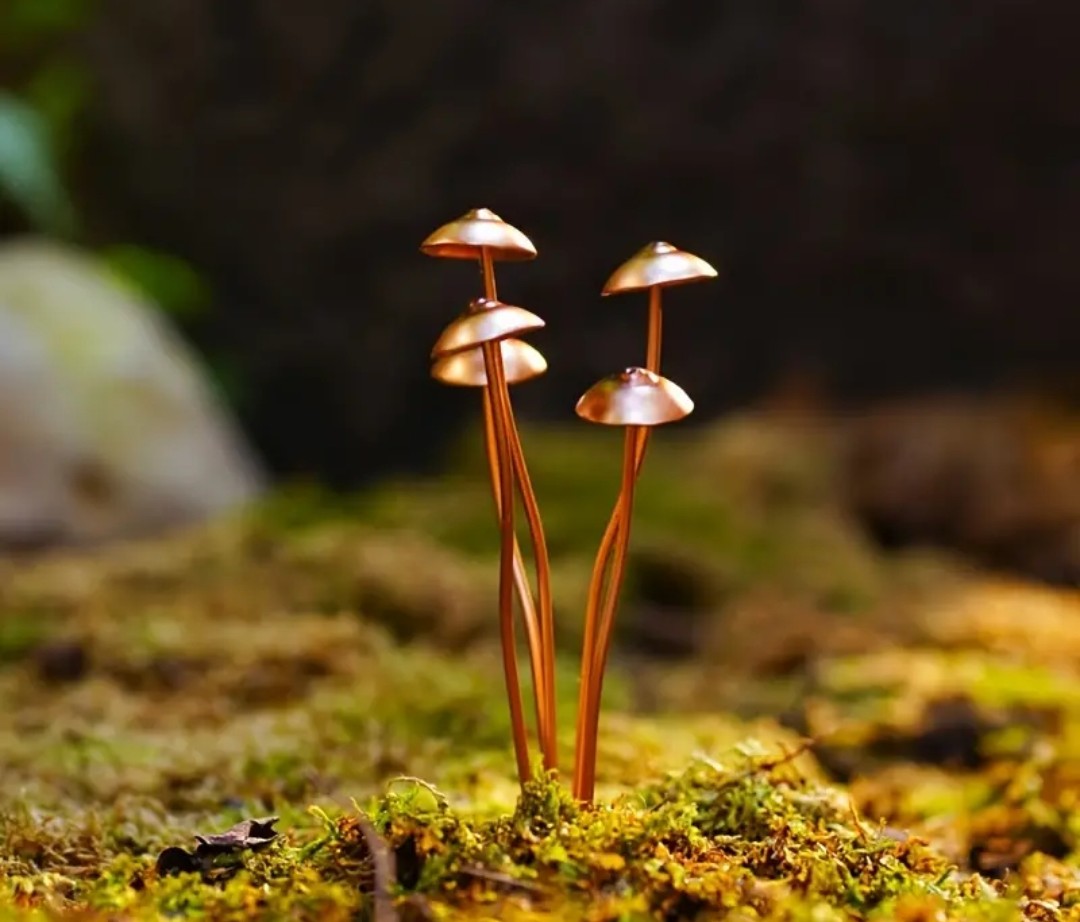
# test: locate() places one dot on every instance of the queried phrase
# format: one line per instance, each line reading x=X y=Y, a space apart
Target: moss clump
x=753 y=840
x=312 y=660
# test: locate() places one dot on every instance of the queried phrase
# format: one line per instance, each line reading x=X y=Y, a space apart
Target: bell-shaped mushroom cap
x=484 y=322
x=635 y=397
x=466 y=369
x=658 y=264
x=476 y=229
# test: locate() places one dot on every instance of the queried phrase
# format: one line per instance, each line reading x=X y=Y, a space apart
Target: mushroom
x=481 y=234
x=484 y=321
x=479 y=230
x=466 y=368
x=481 y=349
x=656 y=266
x=637 y=399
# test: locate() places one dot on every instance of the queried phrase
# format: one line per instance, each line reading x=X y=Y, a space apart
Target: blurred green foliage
x=30 y=21
x=20 y=632
x=29 y=171
x=172 y=283
x=741 y=507
x=48 y=90
x=39 y=132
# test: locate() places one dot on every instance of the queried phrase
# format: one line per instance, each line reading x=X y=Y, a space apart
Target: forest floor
x=797 y=726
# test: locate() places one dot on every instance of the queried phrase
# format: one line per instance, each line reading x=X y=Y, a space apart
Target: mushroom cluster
x=482 y=348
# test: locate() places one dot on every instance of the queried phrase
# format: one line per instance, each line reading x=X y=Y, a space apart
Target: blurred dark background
x=890 y=191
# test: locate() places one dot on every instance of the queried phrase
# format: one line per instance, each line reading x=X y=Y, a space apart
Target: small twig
x=385 y=872
x=856 y=821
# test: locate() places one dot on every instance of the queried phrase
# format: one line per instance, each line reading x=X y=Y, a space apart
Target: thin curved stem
x=593 y=604
x=588 y=645
x=496 y=377
x=540 y=633
x=606 y=622
x=585 y=769
x=521 y=576
x=545 y=690
x=594 y=652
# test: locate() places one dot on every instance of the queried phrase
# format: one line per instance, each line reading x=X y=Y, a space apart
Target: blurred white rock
x=108 y=427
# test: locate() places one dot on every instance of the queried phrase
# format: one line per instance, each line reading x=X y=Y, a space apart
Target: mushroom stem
x=541 y=640
x=487 y=269
x=521 y=576
x=493 y=359
x=545 y=685
x=652 y=360
x=656 y=320
x=500 y=402
x=598 y=633
x=591 y=659
x=585 y=750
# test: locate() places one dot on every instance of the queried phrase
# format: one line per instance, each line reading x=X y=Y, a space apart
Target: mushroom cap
x=634 y=397
x=466 y=368
x=477 y=229
x=483 y=322
x=655 y=265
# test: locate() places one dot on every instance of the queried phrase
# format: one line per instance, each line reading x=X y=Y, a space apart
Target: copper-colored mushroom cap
x=466 y=368
x=484 y=322
x=481 y=227
x=635 y=397
x=658 y=264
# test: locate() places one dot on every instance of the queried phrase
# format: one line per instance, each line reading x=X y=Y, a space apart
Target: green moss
x=20 y=633
x=755 y=837
x=328 y=659
x=746 y=508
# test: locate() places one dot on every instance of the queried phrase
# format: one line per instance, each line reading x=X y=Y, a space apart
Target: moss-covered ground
x=797 y=726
